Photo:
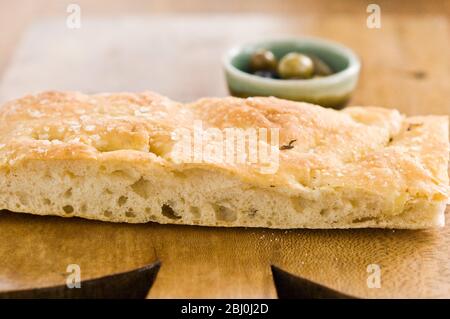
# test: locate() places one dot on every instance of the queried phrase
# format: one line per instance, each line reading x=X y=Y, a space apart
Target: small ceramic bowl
x=329 y=91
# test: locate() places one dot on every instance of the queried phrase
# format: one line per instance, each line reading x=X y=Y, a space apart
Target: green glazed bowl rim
x=353 y=67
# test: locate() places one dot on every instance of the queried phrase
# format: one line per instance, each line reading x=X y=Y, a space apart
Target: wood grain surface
x=404 y=65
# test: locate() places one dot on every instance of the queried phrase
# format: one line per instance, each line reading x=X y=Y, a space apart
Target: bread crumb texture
x=110 y=157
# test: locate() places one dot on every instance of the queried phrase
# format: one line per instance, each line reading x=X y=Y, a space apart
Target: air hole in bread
x=224 y=213
x=195 y=211
x=120 y=174
x=353 y=203
x=363 y=219
x=68 y=209
x=179 y=174
x=300 y=203
x=252 y=212
x=168 y=212
x=141 y=187
x=129 y=213
x=122 y=200
x=84 y=207
x=68 y=193
x=148 y=210
x=70 y=175
x=107 y=213
x=47 y=201
x=327 y=212
x=108 y=191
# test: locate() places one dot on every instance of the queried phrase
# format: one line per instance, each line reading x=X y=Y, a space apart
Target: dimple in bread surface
x=359 y=167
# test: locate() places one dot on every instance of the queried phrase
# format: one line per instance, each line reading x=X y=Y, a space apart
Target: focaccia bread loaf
x=111 y=157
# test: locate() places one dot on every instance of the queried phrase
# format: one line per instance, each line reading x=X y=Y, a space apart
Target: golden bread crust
x=359 y=147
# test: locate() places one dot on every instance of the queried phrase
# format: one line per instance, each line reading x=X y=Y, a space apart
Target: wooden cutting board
x=405 y=65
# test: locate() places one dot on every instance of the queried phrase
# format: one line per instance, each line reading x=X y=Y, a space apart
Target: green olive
x=320 y=67
x=263 y=60
x=296 y=66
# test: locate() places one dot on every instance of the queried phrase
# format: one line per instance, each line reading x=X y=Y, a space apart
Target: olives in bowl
x=293 y=65
x=300 y=69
